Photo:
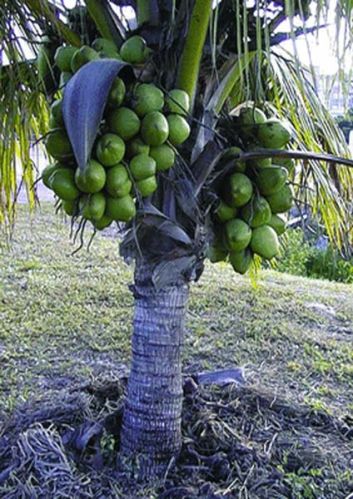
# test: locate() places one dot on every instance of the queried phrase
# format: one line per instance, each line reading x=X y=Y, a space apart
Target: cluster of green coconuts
x=140 y=131
x=254 y=196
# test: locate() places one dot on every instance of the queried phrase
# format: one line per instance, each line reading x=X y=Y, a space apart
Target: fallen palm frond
x=65 y=445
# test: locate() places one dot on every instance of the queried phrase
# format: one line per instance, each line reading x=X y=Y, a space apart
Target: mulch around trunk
x=238 y=442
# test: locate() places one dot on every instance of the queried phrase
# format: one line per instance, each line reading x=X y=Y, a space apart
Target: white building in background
x=336 y=95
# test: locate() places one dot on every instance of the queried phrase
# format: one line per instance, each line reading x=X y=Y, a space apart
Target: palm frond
x=23 y=120
x=48 y=14
x=23 y=107
x=327 y=188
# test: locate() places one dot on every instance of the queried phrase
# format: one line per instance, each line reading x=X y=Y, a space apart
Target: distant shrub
x=299 y=257
x=295 y=253
x=329 y=265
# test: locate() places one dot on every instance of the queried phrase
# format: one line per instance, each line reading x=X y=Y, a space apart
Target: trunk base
x=141 y=469
x=151 y=430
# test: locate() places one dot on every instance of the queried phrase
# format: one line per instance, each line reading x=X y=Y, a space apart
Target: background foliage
x=301 y=257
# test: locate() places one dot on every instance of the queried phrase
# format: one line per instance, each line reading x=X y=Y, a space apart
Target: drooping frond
x=328 y=188
x=24 y=119
x=23 y=104
x=23 y=109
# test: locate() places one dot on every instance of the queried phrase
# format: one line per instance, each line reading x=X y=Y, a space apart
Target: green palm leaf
x=23 y=105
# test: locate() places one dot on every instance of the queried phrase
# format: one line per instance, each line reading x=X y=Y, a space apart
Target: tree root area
x=238 y=442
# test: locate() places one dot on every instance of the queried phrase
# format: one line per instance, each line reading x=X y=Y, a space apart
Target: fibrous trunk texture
x=151 y=431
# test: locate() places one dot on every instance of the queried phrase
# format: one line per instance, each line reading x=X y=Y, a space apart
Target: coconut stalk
x=226 y=86
x=101 y=13
x=147 y=12
x=189 y=64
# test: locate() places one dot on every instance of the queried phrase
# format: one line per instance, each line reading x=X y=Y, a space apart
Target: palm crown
x=236 y=60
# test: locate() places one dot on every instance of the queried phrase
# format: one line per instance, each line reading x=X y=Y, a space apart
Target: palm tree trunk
x=151 y=431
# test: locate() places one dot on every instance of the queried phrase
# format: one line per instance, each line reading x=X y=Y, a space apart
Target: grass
x=66 y=319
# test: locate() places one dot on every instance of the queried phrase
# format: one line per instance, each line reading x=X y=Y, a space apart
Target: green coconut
x=237 y=234
x=264 y=242
x=56 y=119
x=110 y=54
x=282 y=200
x=48 y=172
x=271 y=180
x=110 y=149
x=63 y=184
x=164 y=156
x=287 y=163
x=177 y=101
x=257 y=212
x=238 y=190
x=92 y=206
x=154 y=128
x=147 y=98
x=273 y=134
x=278 y=224
x=133 y=50
x=82 y=56
x=136 y=146
x=58 y=144
x=121 y=209
x=92 y=178
x=217 y=254
x=250 y=115
x=118 y=183
x=117 y=93
x=124 y=122
x=241 y=260
x=249 y=118
x=103 y=44
x=63 y=57
x=70 y=207
x=179 y=129
x=225 y=212
x=142 y=166
x=147 y=186
x=102 y=223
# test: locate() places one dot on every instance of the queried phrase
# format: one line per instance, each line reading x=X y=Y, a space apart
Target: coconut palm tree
x=222 y=54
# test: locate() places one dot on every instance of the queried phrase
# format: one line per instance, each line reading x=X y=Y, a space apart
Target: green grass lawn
x=66 y=319
x=66 y=316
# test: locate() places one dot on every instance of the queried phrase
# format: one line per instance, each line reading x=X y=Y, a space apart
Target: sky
x=319 y=48
x=321 y=53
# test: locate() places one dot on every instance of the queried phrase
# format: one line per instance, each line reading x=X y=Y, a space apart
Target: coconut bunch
x=254 y=196
x=137 y=141
x=57 y=65
x=69 y=59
